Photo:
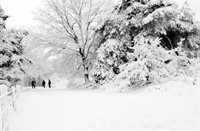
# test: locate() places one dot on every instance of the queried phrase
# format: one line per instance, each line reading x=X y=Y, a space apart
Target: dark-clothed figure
x=43 y=83
x=49 y=84
x=33 y=84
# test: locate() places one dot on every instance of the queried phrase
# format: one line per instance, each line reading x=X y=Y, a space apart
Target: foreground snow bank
x=168 y=106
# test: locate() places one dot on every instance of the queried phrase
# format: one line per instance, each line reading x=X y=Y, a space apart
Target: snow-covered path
x=52 y=109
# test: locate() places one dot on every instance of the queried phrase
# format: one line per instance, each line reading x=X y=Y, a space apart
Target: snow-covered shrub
x=150 y=63
x=111 y=54
x=189 y=71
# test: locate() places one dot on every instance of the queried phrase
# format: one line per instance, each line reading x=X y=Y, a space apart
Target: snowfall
x=169 y=106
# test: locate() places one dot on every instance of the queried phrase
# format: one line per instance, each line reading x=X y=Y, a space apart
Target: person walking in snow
x=43 y=83
x=33 y=84
x=49 y=84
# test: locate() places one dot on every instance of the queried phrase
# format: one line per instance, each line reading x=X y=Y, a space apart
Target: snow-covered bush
x=111 y=54
x=152 y=63
x=149 y=63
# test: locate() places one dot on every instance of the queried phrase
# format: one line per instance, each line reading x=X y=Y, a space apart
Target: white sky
x=21 y=11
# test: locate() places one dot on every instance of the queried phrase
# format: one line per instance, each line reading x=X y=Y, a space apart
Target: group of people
x=33 y=83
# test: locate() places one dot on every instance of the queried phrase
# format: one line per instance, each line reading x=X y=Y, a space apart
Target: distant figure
x=33 y=84
x=43 y=83
x=49 y=84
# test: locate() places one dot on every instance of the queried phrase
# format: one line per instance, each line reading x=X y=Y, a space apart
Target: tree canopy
x=12 y=61
x=142 y=35
x=68 y=30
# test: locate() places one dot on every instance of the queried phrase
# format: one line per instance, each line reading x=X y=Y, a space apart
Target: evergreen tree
x=135 y=25
x=159 y=18
x=12 y=61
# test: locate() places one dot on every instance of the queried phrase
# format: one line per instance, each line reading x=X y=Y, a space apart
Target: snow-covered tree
x=3 y=58
x=160 y=18
x=154 y=32
x=69 y=30
x=12 y=61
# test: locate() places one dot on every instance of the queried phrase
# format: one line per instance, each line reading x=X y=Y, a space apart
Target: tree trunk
x=85 y=67
x=86 y=74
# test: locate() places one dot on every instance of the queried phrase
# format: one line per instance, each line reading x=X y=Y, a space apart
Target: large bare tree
x=68 y=27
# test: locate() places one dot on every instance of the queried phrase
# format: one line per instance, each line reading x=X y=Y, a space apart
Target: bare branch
x=69 y=26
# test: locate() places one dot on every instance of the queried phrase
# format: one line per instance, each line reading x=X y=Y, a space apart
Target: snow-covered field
x=173 y=106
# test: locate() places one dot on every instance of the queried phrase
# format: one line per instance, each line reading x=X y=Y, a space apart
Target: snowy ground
x=167 y=108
